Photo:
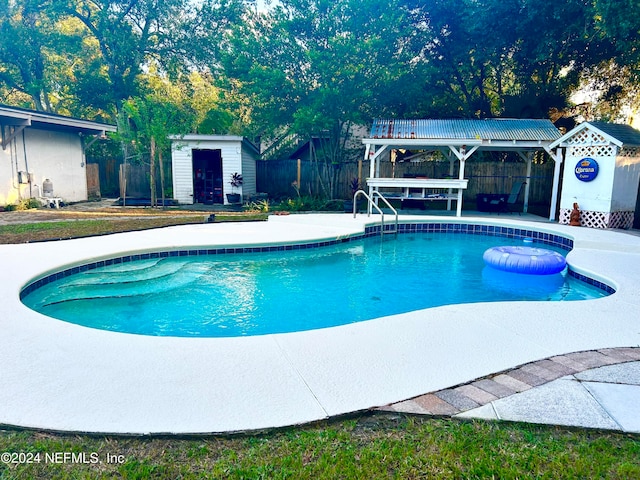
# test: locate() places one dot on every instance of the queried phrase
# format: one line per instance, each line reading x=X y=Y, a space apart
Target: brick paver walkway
x=462 y=398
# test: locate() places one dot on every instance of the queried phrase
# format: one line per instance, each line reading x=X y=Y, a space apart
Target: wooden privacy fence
x=138 y=184
x=93 y=181
x=108 y=169
x=277 y=177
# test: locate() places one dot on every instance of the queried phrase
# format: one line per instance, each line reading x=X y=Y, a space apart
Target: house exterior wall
x=235 y=158
x=53 y=155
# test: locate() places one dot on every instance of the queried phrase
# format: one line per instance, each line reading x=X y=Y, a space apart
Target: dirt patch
x=106 y=209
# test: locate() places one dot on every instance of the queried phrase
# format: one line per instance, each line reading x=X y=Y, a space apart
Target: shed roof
x=625 y=133
x=463 y=130
x=198 y=137
x=615 y=133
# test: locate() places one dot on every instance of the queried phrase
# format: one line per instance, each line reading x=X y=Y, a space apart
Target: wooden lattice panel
x=599 y=219
x=629 y=152
x=565 y=213
x=594 y=219
x=593 y=151
x=621 y=220
x=587 y=137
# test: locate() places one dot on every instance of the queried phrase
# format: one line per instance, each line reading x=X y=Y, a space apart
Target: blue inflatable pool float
x=529 y=260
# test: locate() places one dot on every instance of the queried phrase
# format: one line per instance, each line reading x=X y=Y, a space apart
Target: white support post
x=450 y=191
x=374 y=167
x=461 y=177
x=372 y=171
x=462 y=156
x=557 y=158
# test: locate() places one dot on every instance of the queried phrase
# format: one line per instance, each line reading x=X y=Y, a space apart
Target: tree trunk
x=160 y=161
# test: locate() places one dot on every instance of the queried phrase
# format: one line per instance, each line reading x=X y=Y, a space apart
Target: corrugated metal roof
x=490 y=129
x=625 y=133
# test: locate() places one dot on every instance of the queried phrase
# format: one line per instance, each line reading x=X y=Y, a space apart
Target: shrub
x=24 y=204
x=308 y=204
x=261 y=206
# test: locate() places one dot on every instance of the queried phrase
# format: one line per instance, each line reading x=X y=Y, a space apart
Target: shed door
x=207 y=176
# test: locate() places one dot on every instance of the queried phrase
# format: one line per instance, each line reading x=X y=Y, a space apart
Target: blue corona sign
x=586 y=169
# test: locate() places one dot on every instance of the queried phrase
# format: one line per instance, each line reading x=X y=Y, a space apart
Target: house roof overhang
x=13 y=116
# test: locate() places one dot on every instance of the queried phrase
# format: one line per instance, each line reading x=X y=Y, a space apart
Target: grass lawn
x=371 y=446
x=79 y=227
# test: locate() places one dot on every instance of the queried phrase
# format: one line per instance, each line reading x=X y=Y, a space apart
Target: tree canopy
x=317 y=67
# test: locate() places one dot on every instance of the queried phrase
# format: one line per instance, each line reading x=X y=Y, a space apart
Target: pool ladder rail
x=373 y=204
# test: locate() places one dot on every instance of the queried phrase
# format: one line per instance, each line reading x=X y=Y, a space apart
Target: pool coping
x=61 y=376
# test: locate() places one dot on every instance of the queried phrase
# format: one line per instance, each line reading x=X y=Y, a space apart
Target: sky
x=263 y=4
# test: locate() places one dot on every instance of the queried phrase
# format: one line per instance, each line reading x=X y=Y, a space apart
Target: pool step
x=161 y=282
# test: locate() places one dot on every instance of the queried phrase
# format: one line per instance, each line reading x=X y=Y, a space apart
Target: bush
x=28 y=203
x=25 y=204
x=309 y=204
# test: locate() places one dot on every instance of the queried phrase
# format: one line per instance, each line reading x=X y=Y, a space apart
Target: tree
x=484 y=58
x=93 y=52
x=619 y=23
x=612 y=86
x=166 y=108
x=25 y=34
x=314 y=68
x=128 y=33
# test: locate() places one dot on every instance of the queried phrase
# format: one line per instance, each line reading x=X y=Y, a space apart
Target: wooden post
x=152 y=173
x=123 y=176
x=527 y=187
x=93 y=181
x=161 y=176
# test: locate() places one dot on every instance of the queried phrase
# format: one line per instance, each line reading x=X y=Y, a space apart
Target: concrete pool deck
x=61 y=376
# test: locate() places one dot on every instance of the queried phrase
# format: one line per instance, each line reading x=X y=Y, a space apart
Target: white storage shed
x=203 y=167
x=601 y=174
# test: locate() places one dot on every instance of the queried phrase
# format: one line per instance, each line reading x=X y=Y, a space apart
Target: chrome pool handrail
x=372 y=203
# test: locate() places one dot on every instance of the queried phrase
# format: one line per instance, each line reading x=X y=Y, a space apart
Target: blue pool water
x=260 y=293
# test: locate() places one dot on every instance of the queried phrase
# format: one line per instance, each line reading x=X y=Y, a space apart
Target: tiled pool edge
x=559 y=241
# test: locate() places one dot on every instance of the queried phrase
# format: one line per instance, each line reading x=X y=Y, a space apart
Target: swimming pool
x=242 y=294
x=61 y=376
